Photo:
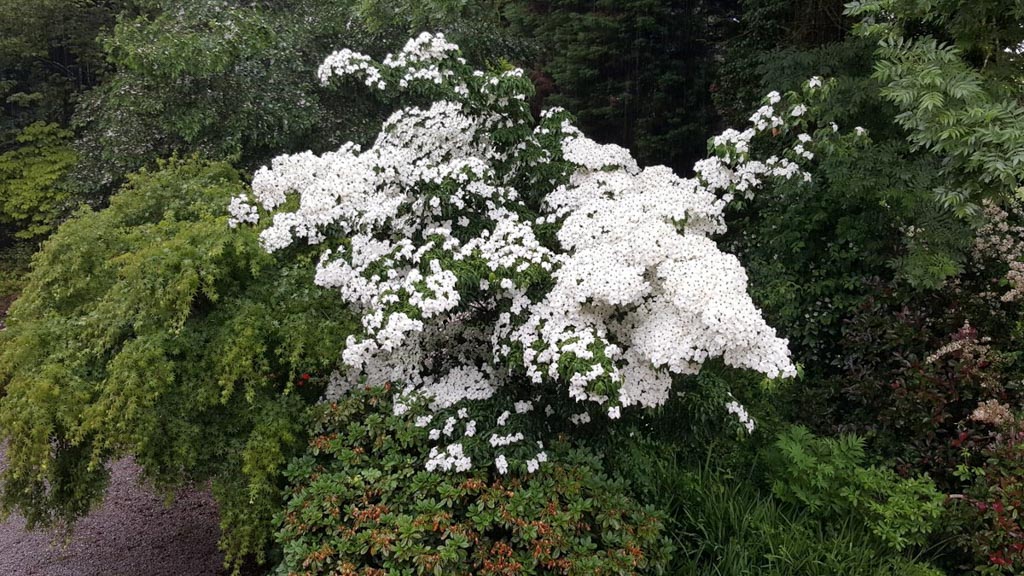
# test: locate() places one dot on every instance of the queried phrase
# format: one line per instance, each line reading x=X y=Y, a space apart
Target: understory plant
x=361 y=503
x=724 y=519
x=829 y=478
x=994 y=499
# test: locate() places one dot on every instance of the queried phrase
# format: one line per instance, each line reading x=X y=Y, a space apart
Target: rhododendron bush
x=491 y=252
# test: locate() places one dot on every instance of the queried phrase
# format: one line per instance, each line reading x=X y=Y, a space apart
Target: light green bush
x=152 y=329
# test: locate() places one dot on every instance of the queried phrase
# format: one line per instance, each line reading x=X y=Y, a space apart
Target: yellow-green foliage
x=152 y=329
x=31 y=196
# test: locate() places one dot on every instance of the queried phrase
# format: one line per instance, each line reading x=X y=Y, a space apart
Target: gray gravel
x=132 y=534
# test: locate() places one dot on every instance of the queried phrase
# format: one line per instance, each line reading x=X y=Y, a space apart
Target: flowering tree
x=491 y=252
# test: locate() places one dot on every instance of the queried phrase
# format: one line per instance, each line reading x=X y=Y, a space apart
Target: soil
x=132 y=534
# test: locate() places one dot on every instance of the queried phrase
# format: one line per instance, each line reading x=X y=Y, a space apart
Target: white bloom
x=734 y=407
x=452 y=458
x=628 y=285
x=503 y=418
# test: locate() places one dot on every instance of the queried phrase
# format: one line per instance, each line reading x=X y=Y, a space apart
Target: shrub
x=360 y=503
x=914 y=377
x=32 y=194
x=723 y=525
x=994 y=503
x=828 y=477
x=151 y=329
x=488 y=250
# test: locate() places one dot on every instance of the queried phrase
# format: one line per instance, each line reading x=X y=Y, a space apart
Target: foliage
x=969 y=115
x=634 y=73
x=362 y=472
x=33 y=195
x=828 y=477
x=995 y=500
x=724 y=525
x=915 y=393
x=478 y=26
x=776 y=45
x=151 y=329
x=200 y=76
x=235 y=81
x=49 y=55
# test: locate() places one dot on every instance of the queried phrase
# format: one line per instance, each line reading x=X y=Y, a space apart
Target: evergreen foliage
x=636 y=73
x=49 y=55
x=360 y=503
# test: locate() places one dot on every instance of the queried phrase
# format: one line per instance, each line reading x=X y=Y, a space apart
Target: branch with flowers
x=498 y=257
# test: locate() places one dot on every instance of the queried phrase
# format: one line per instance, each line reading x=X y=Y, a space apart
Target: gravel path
x=132 y=534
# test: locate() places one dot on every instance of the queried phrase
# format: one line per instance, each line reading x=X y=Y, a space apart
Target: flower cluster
x=488 y=251
x=736 y=409
x=1001 y=240
x=992 y=412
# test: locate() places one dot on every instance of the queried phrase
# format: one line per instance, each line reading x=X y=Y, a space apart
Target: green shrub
x=152 y=329
x=828 y=477
x=32 y=197
x=361 y=503
x=724 y=525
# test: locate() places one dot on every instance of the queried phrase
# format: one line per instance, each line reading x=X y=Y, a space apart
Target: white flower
x=581 y=418
x=496 y=440
x=734 y=407
x=503 y=418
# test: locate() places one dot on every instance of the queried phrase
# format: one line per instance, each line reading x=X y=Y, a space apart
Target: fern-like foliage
x=967 y=113
x=828 y=476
